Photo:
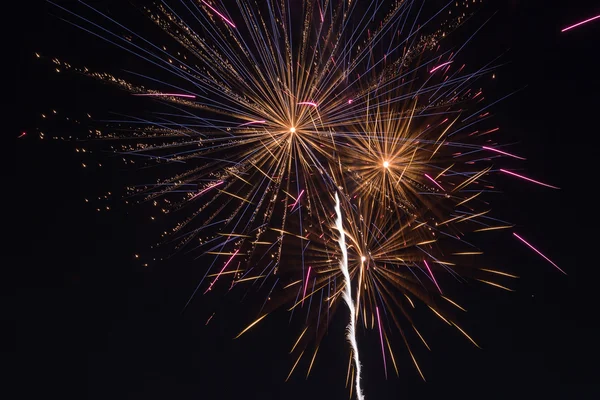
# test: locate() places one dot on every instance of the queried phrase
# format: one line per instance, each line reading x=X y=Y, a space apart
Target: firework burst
x=270 y=108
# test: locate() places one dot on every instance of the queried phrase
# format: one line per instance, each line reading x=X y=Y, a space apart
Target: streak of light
x=467 y=336
x=219 y=14
x=453 y=303
x=499 y=273
x=223 y=269
x=312 y=361
x=496 y=285
x=539 y=252
x=580 y=23
x=381 y=339
x=503 y=152
x=432 y=277
x=493 y=228
x=433 y=180
x=250 y=326
x=298 y=341
x=306 y=284
x=528 y=179
x=440 y=66
x=190 y=96
x=294 y=366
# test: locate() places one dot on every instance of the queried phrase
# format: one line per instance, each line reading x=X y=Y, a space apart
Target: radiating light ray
x=440 y=66
x=294 y=366
x=495 y=285
x=218 y=13
x=190 y=96
x=580 y=23
x=528 y=179
x=298 y=341
x=499 y=273
x=306 y=284
x=539 y=252
x=493 y=228
x=432 y=277
x=312 y=361
x=250 y=326
x=433 y=180
x=467 y=336
x=220 y=272
x=253 y=123
x=502 y=152
x=453 y=303
x=381 y=339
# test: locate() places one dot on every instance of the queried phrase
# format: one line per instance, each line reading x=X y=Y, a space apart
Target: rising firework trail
x=347 y=296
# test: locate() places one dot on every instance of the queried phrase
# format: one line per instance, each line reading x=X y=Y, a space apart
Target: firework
x=269 y=109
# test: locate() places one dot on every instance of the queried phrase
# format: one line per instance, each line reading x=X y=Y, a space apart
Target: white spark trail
x=347 y=295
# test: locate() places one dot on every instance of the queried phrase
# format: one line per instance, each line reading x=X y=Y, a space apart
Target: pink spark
x=207 y=189
x=490 y=131
x=213 y=314
x=253 y=122
x=433 y=180
x=306 y=284
x=580 y=23
x=440 y=66
x=21 y=135
x=191 y=96
x=220 y=272
x=350 y=101
x=309 y=103
x=381 y=339
x=432 y=277
x=296 y=202
x=537 y=251
x=219 y=14
x=528 y=179
x=502 y=152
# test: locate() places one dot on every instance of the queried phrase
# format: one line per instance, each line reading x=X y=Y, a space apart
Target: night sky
x=92 y=322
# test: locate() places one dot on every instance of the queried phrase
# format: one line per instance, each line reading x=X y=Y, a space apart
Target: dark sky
x=91 y=322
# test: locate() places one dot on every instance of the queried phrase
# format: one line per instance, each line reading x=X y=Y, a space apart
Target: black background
x=92 y=322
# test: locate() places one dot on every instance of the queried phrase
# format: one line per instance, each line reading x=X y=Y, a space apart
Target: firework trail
x=347 y=296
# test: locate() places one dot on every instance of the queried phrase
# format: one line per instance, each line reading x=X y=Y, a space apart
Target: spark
x=381 y=339
x=499 y=273
x=528 y=179
x=207 y=189
x=502 y=152
x=493 y=228
x=306 y=285
x=253 y=123
x=580 y=23
x=308 y=103
x=440 y=66
x=297 y=200
x=539 y=252
x=217 y=277
x=219 y=14
x=495 y=284
x=432 y=277
x=250 y=326
x=433 y=180
x=190 y=96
